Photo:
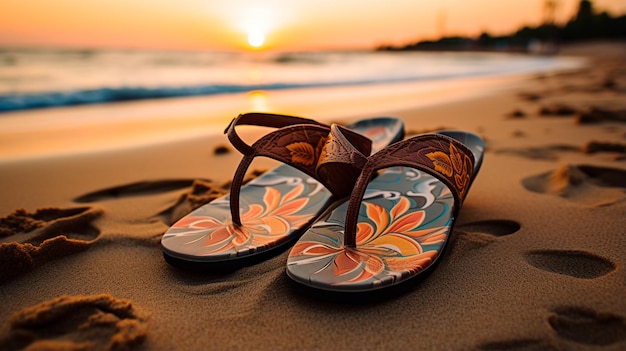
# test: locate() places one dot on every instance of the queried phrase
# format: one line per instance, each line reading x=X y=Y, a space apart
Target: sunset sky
x=272 y=24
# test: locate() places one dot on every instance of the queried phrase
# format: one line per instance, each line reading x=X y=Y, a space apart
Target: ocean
x=38 y=78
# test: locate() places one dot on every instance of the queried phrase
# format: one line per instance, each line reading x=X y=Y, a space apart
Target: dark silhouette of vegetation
x=585 y=25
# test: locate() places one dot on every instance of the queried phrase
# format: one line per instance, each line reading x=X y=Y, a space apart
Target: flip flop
x=395 y=226
x=255 y=220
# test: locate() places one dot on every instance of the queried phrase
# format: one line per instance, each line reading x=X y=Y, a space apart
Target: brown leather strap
x=298 y=143
x=263 y=120
x=443 y=157
x=342 y=159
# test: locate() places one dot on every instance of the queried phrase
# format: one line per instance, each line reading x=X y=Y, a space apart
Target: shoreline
x=89 y=128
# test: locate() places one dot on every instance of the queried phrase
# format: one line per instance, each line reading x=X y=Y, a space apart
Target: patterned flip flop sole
x=276 y=208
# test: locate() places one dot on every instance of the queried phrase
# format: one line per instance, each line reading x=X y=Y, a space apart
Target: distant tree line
x=585 y=25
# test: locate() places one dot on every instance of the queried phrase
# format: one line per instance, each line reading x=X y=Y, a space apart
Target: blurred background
x=274 y=24
x=153 y=70
x=70 y=52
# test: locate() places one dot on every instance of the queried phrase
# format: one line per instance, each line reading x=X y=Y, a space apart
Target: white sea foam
x=43 y=78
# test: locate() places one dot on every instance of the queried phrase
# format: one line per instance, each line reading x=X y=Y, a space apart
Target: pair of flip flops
x=367 y=208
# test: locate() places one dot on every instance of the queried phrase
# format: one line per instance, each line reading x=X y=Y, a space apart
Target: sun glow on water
x=258 y=101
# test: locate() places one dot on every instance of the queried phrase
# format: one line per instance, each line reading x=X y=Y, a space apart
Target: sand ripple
x=95 y=322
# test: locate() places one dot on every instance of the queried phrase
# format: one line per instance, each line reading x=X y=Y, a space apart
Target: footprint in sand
x=135 y=189
x=588 y=185
x=553 y=152
x=521 y=345
x=580 y=325
x=578 y=264
x=96 y=322
x=29 y=240
x=200 y=192
x=588 y=327
x=471 y=236
x=549 y=153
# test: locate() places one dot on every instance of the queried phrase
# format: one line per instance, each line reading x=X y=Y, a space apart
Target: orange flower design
x=454 y=165
x=304 y=153
x=392 y=245
x=262 y=223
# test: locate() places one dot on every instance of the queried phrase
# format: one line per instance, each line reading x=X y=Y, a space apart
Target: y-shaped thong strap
x=441 y=156
x=298 y=142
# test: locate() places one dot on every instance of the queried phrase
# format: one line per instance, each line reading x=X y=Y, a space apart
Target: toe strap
x=441 y=156
x=298 y=142
x=341 y=160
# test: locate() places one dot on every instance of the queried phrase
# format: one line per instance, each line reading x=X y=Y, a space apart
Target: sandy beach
x=536 y=259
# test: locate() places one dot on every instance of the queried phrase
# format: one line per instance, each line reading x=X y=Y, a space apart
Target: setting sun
x=267 y=24
x=256 y=39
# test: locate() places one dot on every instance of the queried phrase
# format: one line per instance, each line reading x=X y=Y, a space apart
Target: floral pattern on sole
x=273 y=206
x=404 y=222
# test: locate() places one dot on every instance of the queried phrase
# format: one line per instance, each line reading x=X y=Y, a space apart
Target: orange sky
x=287 y=24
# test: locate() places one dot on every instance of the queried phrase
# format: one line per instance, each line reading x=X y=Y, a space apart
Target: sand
x=536 y=260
